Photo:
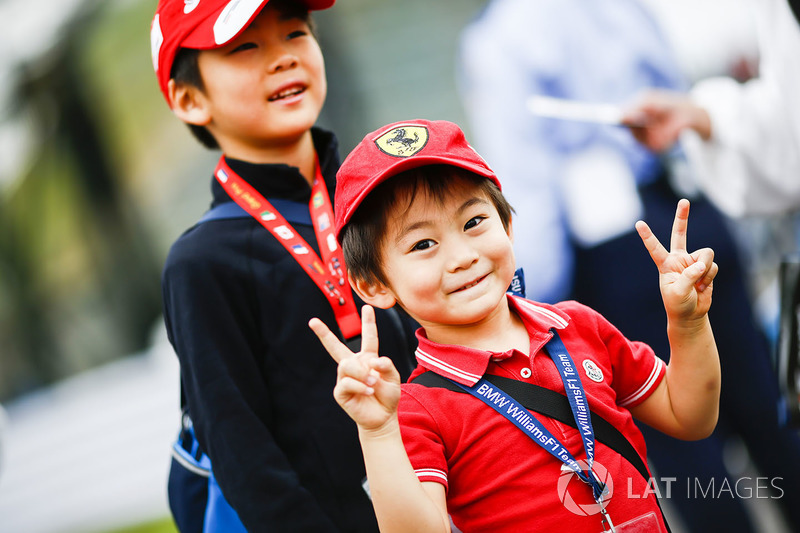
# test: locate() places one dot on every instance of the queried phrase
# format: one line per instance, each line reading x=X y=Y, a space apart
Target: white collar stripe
x=641 y=391
x=557 y=320
x=441 y=365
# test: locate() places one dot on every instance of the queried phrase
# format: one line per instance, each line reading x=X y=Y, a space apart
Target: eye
x=423 y=245
x=295 y=34
x=474 y=221
x=243 y=46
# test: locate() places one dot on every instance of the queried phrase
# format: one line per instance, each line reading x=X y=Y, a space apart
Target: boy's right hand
x=367 y=385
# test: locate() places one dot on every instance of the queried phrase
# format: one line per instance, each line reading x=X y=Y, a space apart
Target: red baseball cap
x=396 y=148
x=203 y=25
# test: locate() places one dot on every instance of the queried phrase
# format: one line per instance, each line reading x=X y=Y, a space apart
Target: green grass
x=165 y=525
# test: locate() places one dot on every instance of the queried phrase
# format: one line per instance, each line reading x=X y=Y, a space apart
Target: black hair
x=362 y=237
x=185 y=69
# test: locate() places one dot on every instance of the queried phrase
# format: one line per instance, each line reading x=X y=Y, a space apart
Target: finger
x=690 y=277
x=705 y=256
x=351 y=387
x=640 y=134
x=708 y=279
x=386 y=369
x=369 y=332
x=332 y=344
x=635 y=119
x=651 y=242
x=679 y=226
x=355 y=368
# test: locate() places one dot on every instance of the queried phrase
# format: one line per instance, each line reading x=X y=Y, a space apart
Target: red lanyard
x=331 y=281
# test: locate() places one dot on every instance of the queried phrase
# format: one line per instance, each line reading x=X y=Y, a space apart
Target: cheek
x=411 y=282
x=318 y=68
x=423 y=284
x=503 y=252
x=230 y=92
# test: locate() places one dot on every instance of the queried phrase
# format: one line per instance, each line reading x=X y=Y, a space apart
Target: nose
x=284 y=61
x=461 y=255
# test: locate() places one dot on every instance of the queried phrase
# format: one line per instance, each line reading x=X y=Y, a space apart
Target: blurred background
x=97 y=179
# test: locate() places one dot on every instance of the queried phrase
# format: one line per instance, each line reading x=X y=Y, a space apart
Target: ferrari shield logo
x=403 y=141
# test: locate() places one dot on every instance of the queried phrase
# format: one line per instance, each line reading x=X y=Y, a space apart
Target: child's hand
x=685 y=279
x=367 y=386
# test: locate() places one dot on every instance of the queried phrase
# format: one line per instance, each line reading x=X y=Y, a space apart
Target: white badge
x=593 y=371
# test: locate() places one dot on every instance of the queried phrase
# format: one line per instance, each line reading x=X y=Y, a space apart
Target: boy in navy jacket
x=248 y=77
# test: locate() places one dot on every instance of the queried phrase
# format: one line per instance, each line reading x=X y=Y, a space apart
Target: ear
x=375 y=294
x=511 y=229
x=189 y=103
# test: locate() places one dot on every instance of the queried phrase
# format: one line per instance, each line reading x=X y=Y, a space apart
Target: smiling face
x=264 y=89
x=447 y=261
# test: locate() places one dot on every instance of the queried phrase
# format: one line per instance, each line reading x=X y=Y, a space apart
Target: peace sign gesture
x=367 y=385
x=685 y=279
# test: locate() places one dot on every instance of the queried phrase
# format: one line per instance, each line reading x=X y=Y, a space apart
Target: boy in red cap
x=263 y=444
x=423 y=224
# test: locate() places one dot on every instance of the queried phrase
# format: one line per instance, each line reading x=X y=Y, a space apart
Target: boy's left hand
x=685 y=279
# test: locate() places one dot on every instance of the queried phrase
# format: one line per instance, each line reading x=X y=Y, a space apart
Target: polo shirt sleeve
x=637 y=369
x=422 y=438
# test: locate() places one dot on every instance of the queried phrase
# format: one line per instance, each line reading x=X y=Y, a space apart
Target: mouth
x=287 y=92
x=472 y=284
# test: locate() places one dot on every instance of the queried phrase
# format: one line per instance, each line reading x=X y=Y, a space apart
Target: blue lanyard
x=507 y=406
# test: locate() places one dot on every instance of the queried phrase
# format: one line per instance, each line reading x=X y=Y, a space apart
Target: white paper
x=549 y=107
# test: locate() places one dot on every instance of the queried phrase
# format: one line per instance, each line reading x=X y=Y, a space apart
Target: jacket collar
x=467 y=365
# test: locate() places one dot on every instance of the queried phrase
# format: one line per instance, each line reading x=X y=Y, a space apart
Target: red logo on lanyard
x=333 y=282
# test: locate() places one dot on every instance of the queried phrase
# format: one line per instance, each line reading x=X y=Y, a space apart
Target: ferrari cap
x=396 y=148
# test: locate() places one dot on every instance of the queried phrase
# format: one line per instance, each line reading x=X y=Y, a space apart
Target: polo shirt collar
x=468 y=365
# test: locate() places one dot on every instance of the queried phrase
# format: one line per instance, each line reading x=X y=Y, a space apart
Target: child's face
x=448 y=263
x=265 y=88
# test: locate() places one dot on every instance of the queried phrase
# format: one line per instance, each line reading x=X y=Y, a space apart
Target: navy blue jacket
x=255 y=380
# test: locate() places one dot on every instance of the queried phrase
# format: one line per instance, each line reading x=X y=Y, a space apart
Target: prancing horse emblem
x=403 y=141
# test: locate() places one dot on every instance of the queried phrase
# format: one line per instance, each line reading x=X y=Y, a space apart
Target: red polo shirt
x=497 y=478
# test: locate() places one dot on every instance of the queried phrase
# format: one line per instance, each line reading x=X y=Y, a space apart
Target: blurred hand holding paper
x=550 y=107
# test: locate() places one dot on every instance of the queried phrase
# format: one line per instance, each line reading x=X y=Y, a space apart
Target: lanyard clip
x=606 y=520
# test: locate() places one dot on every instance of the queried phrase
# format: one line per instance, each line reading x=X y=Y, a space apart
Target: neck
x=501 y=331
x=300 y=154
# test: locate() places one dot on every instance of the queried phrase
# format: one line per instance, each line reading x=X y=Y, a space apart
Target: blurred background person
x=742 y=139
x=578 y=188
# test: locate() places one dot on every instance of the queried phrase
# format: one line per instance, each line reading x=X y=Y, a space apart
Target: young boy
x=239 y=288
x=423 y=224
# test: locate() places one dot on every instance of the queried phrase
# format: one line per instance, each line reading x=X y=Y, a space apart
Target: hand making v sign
x=686 y=403
x=685 y=279
x=367 y=385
